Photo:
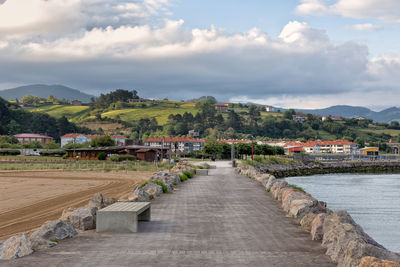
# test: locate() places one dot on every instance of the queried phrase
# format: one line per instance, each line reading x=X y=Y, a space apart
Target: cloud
x=29 y=18
x=385 y=10
x=365 y=27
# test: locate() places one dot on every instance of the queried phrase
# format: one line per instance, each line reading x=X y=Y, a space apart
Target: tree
x=102 y=141
x=51 y=145
x=288 y=114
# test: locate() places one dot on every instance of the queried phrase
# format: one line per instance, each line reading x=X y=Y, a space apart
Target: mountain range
x=43 y=91
x=386 y=115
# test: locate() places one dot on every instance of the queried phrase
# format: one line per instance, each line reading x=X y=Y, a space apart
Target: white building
x=181 y=144
x=82 y=138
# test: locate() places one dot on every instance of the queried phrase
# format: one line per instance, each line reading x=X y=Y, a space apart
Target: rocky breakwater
x=345 y=241
x=282 y=170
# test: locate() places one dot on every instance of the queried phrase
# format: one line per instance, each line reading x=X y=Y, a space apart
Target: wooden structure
x=145 y=153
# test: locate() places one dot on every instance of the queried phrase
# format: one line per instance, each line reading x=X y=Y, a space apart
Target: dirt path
x=30 y=216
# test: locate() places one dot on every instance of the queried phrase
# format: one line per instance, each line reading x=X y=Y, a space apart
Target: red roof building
x=29 y=138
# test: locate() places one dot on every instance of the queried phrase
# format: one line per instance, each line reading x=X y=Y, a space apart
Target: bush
x=120 y=158
x=102 y=156
x=164 y=187
x=188 y=174
x=183 y=177
x=10 y=152
x=144 y=184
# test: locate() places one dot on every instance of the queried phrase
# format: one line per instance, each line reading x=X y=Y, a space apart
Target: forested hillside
x=15 y=120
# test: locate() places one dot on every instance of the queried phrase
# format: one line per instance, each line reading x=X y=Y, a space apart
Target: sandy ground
x=30 y=198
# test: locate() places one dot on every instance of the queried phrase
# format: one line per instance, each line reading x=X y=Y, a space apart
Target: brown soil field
x=30 y=198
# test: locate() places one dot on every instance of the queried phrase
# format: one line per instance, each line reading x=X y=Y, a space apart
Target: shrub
x=10 y=152
x=151 y=197
x=143 y=185
x=119 y=158
x=183 y=177
x=54 y=240
x=164 y=187
x=102 y=156
x=298 y=188
x=52 y=153
x=188 y=174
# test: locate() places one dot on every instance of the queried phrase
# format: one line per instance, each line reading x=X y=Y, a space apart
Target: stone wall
x=345 y=241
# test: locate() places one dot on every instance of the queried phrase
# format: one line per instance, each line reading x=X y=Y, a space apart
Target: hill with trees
x=14 y=120
x=43 y=91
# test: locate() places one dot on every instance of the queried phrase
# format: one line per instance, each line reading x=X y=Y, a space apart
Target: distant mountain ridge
x=43 y=91
x=386 y=115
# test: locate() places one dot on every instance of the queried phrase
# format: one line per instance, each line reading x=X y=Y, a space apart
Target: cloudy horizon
x=300 y=54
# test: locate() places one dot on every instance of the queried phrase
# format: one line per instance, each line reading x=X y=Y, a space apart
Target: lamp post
x=252 y=148
x=233 y=154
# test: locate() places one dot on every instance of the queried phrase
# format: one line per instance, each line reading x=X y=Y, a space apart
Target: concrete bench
x=202 y=172
x=122 y=217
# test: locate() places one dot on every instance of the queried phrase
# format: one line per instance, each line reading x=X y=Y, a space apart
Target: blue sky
x=292 y=53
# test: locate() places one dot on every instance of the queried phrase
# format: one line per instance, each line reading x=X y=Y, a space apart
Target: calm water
x=372 y=200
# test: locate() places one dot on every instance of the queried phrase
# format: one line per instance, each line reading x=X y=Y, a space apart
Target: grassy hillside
x=58 y=111
x=161 y=113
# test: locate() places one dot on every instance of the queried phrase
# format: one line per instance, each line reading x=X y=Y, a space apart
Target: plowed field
x=30 y=198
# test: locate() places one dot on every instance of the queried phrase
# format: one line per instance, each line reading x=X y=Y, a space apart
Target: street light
x=252 y=148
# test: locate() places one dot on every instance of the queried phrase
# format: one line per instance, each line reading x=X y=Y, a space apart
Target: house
x=222 y=108
x=176 y=144
x=299 y=118
x=336 y=119
x=370 y=151
x=78 y=138
x=270 y=109
x=29 y=138
x=334 y=147
x=76 y=102
x=193 y=133
x=235 y=141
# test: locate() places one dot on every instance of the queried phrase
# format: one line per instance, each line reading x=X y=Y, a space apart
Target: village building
x=176 y=144
x=25 y=138
x=144 y=153
x=334 y=147
x=235 y=141
x=222 y=108
x=270 y=109
x=76 y=102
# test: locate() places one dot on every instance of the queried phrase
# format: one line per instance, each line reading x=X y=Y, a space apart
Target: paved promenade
x=219 y=220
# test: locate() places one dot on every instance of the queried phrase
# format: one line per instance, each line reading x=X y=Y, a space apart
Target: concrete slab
x=219 y=220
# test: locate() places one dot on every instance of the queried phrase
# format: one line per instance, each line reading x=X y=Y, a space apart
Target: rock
x=270 y=183
x=16 y=247
x=57 y=230
x=153 y=189
x=100 y=201
x=180 y=167
x=167 y=178
x=306 y=221
x=339 y=230
x=356 y=250
x=66 y=213
x=275 y=189
x=374 y=262
x=83 y=218
x=289 y=195
x=317 y=227
x=139 y=195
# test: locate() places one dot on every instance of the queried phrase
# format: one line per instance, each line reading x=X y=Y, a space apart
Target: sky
x=291 y=54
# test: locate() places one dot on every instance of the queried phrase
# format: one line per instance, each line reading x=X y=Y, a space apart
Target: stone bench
x=122 y=217
x=202 y=172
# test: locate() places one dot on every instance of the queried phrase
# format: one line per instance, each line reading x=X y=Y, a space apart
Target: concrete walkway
x=219 y=220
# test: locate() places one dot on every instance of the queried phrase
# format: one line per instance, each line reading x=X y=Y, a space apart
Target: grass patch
x=164 y=187
x=183 y=177
x=298 y=188
x=54 y=240
x=188 y=174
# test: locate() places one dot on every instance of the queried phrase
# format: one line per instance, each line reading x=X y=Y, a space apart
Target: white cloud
x=29 y=18
x=365 y=27
x=385 y=10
